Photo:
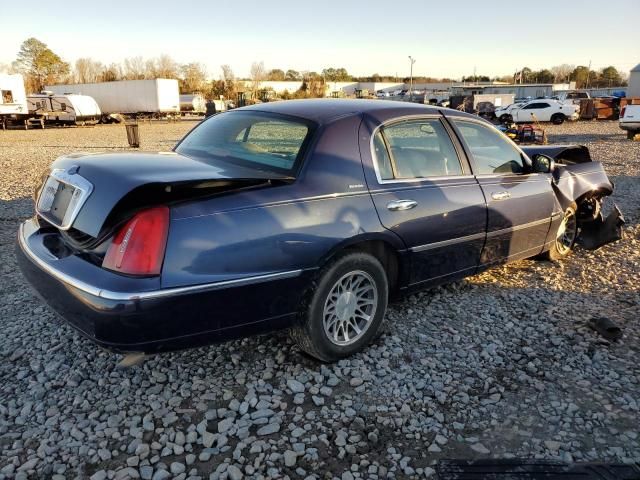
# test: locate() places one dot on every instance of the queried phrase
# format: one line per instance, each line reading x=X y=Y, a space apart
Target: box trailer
x=151 y=97
x=69 y=109
x=13 y=100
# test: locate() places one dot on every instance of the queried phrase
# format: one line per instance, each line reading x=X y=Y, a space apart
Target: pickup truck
x=573 y=97
x=630 y=120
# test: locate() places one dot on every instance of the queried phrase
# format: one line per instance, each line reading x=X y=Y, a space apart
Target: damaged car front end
x=578 y=180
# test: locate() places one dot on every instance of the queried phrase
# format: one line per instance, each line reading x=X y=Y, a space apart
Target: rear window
x=263 y=141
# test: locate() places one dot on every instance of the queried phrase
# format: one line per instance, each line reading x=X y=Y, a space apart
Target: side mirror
x=542 y=163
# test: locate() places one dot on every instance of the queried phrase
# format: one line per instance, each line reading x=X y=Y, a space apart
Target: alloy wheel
x=350 y=308
x=567 y=232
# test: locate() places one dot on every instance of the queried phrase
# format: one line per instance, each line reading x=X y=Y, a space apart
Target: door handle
x=500 y=195
x=398 y=205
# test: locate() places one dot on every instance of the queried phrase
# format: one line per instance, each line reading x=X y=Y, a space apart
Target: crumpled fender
x=601 y=231
x=576 y=177
x=572 y=182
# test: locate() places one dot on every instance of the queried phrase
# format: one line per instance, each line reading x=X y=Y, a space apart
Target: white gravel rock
x=500 y=364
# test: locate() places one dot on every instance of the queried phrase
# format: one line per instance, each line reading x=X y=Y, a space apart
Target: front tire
x=557 y=118
x=506 y=118
x=631 y=134
x=345 y=311
x=566 y=236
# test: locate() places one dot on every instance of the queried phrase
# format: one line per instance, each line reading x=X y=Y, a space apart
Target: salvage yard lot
x=498 y=365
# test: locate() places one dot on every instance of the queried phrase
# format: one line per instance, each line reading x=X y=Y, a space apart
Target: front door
x=423 y=192
x=520 y=203
x=541 y=110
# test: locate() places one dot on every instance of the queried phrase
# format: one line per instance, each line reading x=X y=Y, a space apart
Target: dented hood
x=114 y=175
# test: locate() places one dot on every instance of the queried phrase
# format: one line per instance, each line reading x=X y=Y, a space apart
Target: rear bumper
x=633 y=126
x=136 y=315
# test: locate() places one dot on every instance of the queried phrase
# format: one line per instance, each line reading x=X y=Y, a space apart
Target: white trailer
x=70 y=109
x=13 y=100
x=192 y=103
x=152 y=97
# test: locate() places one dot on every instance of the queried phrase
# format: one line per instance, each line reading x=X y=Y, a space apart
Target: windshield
x=264 y=141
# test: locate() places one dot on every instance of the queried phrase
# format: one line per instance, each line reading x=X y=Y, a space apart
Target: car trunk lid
x=125 y=181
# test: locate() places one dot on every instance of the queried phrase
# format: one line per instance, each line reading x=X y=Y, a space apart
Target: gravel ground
x=498 y=365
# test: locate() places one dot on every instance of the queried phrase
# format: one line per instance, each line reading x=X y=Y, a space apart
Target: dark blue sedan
x=306 y=215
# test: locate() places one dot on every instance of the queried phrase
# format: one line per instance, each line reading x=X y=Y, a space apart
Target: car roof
x=325 y=110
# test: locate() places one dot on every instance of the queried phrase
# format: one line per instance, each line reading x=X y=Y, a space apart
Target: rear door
x=520 y=203
x=423 y=190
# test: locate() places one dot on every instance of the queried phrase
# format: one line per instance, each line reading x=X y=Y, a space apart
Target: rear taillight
x=138 y=247
x=622 y=111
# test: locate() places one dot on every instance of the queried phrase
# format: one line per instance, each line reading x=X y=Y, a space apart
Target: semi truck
x=159 y=97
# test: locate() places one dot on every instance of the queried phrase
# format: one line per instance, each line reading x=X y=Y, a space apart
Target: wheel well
x=582 y=202
x=385 y=254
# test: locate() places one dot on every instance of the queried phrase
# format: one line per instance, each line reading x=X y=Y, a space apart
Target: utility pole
x=588 y=74
x=412 y=61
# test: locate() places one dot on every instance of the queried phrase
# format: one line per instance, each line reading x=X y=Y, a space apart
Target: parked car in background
x=306 y=214
x=630 y=120
x=503 y=114
x=547 y=110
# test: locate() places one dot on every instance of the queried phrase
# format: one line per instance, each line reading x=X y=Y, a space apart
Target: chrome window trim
x=74 y=180
x=374 y=159
x=424 y=179
x=148 y=295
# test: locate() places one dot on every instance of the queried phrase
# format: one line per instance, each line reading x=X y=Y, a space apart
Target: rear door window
x=415 y=149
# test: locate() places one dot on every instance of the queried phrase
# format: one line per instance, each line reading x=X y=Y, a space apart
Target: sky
x=447 y=38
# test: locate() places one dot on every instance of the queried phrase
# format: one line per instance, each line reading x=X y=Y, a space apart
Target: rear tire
x=557 y=118
x=506 y=118
x=631 y=134
x=345 y=309
x=566 y=236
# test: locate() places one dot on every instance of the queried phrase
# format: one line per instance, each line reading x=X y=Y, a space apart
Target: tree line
x=41 y=66
x=582 y=75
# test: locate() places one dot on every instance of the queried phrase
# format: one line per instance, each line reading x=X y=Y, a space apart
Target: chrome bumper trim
x=131 y=296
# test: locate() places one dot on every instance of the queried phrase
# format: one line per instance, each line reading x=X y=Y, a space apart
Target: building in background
x=633 y=90
x=518 y=90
